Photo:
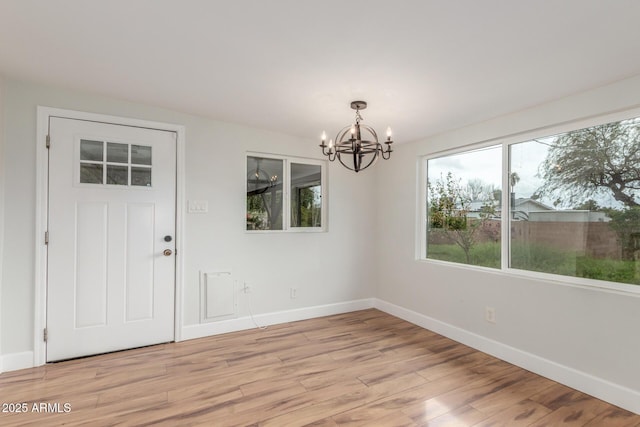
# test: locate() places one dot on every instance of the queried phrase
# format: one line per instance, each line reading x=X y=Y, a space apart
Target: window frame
x=286 y=192
x=423 y=214
x=506 y=141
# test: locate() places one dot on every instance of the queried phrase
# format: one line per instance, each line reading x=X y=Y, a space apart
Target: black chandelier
x=351 y=142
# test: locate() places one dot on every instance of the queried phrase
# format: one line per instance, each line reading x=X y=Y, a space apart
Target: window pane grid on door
x=141 y=176
x=117 y=175
x=117 y=153
x=140 y=155
x=91 y=173
x=115 y=164
x=91 y=150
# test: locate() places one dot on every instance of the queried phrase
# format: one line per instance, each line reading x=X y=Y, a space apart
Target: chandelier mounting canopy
x=358 y=105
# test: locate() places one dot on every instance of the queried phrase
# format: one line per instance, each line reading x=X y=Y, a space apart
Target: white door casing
x=109 y=284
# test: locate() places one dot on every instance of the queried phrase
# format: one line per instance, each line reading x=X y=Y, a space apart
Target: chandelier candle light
x=350 y=142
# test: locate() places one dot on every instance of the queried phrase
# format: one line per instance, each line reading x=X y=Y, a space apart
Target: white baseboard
x=602 y=389
x=243 y=323
x=15 y=361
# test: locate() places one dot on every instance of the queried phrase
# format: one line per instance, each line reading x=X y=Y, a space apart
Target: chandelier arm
x=386 y=154
x=331 y=156
x=329 y=153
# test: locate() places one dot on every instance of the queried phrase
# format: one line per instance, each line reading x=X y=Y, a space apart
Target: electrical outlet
x=293 y=293
x=490 y=314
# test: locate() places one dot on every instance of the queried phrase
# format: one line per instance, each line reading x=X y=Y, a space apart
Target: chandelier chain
x=358 y=116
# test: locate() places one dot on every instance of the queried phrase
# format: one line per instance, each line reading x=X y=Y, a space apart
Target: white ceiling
x=293 y=66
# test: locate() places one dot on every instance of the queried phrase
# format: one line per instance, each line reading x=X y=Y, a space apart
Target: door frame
x=42 y=208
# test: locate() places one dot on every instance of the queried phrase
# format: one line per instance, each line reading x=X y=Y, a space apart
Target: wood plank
x=354 y=369
x=523 y=413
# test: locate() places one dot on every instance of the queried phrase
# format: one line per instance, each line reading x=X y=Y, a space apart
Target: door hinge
x=46 y=237
x=45 y=334
x=48 y=141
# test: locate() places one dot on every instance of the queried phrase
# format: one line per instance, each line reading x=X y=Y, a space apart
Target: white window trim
x=506 y=141
x=286 y=189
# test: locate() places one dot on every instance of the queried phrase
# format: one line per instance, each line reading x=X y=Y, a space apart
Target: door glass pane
x=117 y=175
x=90 y=173
x=140 y=155
x=117 y=153
x=141 y=177
x=306 y=195
x=264 y=193
x=91 y=150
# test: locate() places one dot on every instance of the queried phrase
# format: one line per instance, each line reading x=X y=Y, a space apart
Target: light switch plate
x=198 y=206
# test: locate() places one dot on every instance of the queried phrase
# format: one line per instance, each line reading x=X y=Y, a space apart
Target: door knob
x=167 y=252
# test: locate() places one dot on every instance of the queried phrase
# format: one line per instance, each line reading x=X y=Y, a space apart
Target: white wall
x=325 y=267
x=592 y=331
x=2 y=168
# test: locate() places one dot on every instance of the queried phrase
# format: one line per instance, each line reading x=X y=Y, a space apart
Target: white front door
x=111 y=266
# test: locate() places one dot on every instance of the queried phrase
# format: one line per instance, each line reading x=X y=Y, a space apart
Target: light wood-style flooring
x=365 y=368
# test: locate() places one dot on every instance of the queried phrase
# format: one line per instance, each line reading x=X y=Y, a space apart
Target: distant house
x=527 y=209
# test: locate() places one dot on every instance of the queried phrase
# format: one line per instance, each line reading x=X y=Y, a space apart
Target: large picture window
x=573 y=205
x=284 y=194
